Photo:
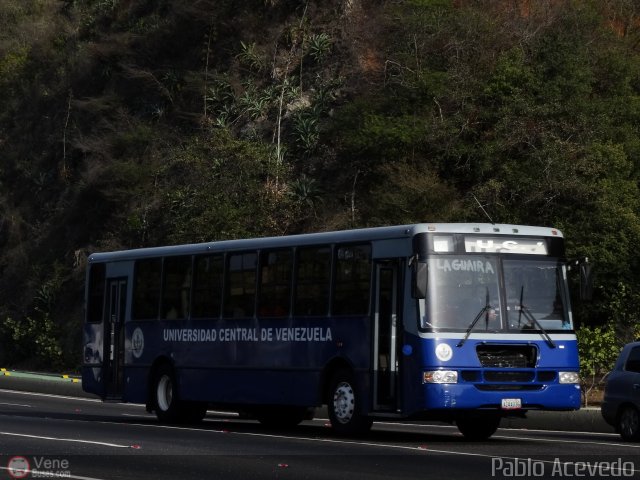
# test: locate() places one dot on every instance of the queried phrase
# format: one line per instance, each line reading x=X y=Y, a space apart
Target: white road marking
x=516 y=429
x=556 y=440
x=413 y=448
x=50 y=395
x=73 y=440
x=346 y=442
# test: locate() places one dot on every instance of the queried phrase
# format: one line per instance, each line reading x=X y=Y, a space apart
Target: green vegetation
x=137 y=123
x=598 y=350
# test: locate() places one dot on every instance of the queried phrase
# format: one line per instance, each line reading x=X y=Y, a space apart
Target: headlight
x=440 y=376
x=568 y=377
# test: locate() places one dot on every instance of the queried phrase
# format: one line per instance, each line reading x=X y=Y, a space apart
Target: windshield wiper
x=532 y=319
x=482 y=311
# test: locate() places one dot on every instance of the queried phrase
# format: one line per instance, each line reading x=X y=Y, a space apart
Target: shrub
x=598 y=348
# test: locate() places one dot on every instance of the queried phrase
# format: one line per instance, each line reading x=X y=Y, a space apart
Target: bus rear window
x=146 y=289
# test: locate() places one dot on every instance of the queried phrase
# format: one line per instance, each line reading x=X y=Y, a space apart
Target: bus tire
x=344 y=405
x=478 y=427
x=165 y=395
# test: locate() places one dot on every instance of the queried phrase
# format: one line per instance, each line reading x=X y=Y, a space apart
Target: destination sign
x=527 y=246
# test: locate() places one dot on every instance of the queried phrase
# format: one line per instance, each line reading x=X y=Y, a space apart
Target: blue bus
x=463 y=323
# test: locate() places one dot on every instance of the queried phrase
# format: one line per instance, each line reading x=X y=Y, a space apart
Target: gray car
x=621 y=405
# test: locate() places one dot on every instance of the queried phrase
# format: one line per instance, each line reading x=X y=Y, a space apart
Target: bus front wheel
x=344 y=405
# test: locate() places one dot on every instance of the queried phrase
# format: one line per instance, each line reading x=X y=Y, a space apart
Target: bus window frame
x=296 y=284
x=334 y=277
x=194 y=281
x=134 y=299
x=90 y=304
x=162 y=315
x=259 y=292
x=227 y=284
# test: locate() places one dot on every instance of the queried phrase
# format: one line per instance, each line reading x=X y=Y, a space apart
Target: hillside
x=130 y=123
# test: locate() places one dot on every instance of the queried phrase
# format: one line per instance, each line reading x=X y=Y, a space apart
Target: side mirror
x=586 y=280
x=419 y=279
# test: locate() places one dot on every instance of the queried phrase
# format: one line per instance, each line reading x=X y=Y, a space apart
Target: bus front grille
x=507 y=356
x=508 y=376
x=506 y=387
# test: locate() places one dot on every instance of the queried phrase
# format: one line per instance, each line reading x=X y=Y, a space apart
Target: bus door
x=386 y=333
x=114 y=338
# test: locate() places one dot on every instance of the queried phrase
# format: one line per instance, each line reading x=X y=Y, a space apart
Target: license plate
x=511 y=403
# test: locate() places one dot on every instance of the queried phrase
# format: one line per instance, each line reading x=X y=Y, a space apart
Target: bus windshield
x=464 y=292
x=536 y=297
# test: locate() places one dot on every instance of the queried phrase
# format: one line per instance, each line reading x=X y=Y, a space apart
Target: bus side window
x=176 y=288
x=313 y=281
x=275 y=283
x=241 y=285
x=207 y=286
x=146 y=289
x=352 y=286
x=95 y=297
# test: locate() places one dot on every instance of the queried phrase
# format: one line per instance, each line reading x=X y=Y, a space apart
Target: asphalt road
x=82 y=438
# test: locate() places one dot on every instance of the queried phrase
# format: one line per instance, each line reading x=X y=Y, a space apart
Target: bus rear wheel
x=344 y=405
x=167 y=405
x=165 y=395
x=478 y=427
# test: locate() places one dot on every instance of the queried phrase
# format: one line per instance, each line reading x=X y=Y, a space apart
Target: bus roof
x=356 y=235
